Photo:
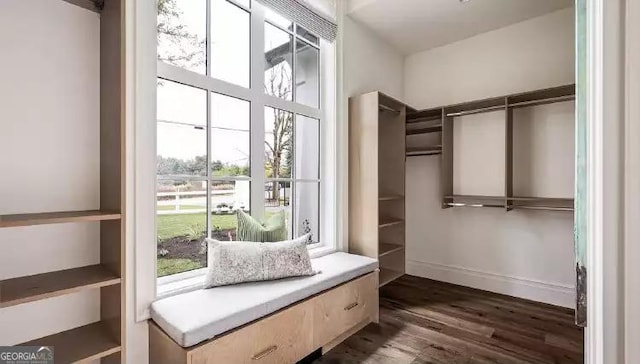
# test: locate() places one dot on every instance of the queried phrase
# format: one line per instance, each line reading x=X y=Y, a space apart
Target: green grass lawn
x=185 y=224
x=172 y=225
x=172 y=266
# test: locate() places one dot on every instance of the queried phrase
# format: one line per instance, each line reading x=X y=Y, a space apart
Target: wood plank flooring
x=424 y=321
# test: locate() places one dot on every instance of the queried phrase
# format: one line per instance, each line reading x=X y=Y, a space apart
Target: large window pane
x=182 y=33
x=277 y=197
x=278 y=50
x=307 y=74
x=307 y=148
x=227 y=197
x=181 y=131
x=278 y=126
x=181 y=226
x=230 y=136
x=230 y=42
x=306 y=206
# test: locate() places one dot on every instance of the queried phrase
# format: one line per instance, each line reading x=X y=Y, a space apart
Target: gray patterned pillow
x=243 y=261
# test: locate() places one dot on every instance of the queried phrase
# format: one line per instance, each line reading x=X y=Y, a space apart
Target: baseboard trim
x=552 y=293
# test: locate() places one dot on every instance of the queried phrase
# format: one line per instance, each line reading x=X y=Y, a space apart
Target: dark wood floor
x=424 y=321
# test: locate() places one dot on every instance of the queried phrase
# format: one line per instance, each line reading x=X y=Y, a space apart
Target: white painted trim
x=548 y=292
x=632 y=184
x=144 y=157
x=594 y=338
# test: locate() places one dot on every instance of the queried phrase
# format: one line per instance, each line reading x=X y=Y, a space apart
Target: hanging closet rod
x=460 y=204
x=549 y=100
x=551 y=208
x=477 y=111
x=385 y=107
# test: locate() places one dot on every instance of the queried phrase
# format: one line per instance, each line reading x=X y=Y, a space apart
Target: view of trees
x=180 y=47
x=168 y=166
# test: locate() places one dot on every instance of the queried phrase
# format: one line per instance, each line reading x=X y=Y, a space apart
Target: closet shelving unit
x=377 y=181
x=102 y=340
x=442 y=119
x=422 y=123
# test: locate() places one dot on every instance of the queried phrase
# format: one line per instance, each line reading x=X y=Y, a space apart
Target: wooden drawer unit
x=321 y=321
x=284 y=337
x=339 y=310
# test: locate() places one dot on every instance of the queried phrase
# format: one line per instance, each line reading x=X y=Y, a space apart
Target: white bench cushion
x=197 y=316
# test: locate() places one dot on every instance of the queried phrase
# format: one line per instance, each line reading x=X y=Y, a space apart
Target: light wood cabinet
x=343 y=308
x=287 y=336
x=281 y=338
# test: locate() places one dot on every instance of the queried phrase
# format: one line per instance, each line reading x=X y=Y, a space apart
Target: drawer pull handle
x=351 y=306
x=265 y=352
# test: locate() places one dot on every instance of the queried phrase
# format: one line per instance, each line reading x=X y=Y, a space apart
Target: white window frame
x=325 y=114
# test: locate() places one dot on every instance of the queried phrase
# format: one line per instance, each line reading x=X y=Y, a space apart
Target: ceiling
x=416 y=25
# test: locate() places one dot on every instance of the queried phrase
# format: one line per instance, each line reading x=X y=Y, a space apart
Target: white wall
x=521 y=253
x=49 y=143
x=370 y=64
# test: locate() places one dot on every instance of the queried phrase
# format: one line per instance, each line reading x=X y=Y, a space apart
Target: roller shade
x=303 y=14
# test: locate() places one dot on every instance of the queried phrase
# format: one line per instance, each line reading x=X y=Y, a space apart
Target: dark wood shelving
x=389 y=221
x=424 y=115
x=425 y=130
x=43 y=218
x=430 y=150
x=20 y=290
x=387 y=275
x=83 y=344
x=385 y=197
x=386 y=248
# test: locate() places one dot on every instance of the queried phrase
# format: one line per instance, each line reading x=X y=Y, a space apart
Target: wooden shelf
x=390 y=197
x=83 y=344
x=20 y=290
x=541 y=203
x=386 y=248
x=425 y=130
x=56 y=218
x=430 y=150
x=387 y=275
x=424 y=115
x=389 y=221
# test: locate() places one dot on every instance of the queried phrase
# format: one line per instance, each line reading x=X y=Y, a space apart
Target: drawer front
x=285 y=337
x=342 y=308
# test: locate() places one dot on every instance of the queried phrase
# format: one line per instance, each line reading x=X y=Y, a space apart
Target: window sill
x=194 y=280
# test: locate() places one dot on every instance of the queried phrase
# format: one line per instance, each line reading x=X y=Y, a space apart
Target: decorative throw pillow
x=238 y=262
x=273 y=229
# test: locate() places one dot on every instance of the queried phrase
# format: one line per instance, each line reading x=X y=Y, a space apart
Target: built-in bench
x=275 y=321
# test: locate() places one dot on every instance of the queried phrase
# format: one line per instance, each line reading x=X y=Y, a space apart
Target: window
x=227 y=141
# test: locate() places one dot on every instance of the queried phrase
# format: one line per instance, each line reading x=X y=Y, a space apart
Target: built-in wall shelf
x=385 y=197
x=509 y=203
x=425 y=130
x=386 y=248
x=388 y=275
x=377 y=123
x=83 y=344
x=20 y=290
x=389 y=221
x=429 y=150
x=56 y=218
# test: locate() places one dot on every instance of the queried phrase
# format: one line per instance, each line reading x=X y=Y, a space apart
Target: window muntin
x=237 y=121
